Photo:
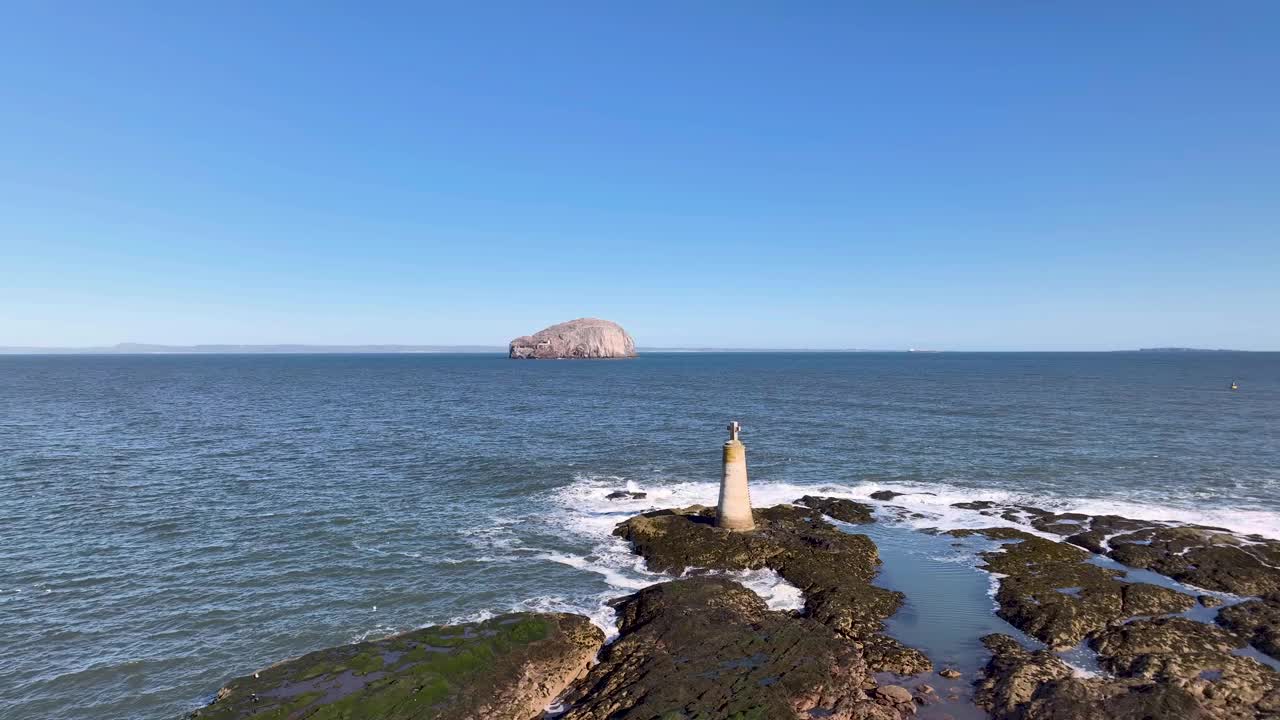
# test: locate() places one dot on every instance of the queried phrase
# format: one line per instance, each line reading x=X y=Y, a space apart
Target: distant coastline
x=286 y=349
x=303 y=349
x=1188 y=350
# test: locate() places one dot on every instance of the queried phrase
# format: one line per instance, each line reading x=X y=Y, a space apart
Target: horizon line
x=131 y=348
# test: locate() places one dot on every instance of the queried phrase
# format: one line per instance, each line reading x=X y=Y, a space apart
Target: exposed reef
x=1049 y=590
x=709 y=648
x=1161 y=668
x=507 y=668
x=1258 y=620
x=1157 y=663
x=833 y=568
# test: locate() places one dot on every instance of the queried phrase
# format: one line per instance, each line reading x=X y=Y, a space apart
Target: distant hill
x=146 y=348
x=1188 y=350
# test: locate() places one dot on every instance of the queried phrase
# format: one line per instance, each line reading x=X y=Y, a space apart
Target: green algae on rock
x=833 y=568
x=507 y=668
x=708 y=648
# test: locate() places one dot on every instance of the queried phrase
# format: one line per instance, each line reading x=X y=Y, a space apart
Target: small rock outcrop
x=840 y=509
x=626 y=495
x=507 y=668
x=584 y=338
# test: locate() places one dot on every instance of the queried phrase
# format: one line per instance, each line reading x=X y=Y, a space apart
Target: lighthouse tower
x=734 y=512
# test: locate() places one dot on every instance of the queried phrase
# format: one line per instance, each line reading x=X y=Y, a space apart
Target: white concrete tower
x=734 y=512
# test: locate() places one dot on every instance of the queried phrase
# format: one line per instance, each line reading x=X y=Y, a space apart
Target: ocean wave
x=932 y=500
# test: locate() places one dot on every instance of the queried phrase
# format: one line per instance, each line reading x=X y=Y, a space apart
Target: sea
x=168 y=522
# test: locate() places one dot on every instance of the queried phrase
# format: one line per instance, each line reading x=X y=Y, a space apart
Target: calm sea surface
x=167 y=522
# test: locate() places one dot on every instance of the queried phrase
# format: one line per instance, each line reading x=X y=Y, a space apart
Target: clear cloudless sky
x=958 y=175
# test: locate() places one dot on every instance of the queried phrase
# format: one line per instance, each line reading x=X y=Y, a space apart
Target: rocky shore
x=1181 y=621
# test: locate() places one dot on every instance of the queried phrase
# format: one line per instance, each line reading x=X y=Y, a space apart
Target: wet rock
x=834 y=569
x=840 y=509
x=1050 y=592
x=507 y=668
x=885 y=654
x=1257 y=620
x=626 y=495
x=1161 y=668
x=1209 y=601
x=1092 y=540
x=1195 y=656
x=1020 y=684
x=975 y=505
x=949 y=673
x=1208 y=557
x=582 y=338
x=1058 y=523
x=1015 y=676
x=709 y=648
x=885 y=495
x=1204 y=557
x=894 y=693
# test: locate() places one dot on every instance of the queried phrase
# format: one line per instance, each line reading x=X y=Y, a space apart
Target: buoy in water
x=1234 y=386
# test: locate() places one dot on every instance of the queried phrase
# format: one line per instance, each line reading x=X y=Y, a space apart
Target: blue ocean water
x=169 y=521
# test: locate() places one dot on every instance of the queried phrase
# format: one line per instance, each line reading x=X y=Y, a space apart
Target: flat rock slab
x=507 y=668
x=833 y=568
x=708 y=648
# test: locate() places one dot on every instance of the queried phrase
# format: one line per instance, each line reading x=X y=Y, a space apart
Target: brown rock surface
x=707 y=647
x=1050 y=592
x=1258 y=620
x=834 y=569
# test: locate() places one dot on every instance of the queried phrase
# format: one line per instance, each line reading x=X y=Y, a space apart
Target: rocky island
x=584 y=338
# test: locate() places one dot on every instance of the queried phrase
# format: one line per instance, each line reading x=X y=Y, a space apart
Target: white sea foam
x=460 y=561
x=613 y=576
x=1241 y=520
x=777 y=593
x=934 y=501
x=377 y=632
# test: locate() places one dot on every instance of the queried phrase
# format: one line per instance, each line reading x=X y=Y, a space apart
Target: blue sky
x=961 y=175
